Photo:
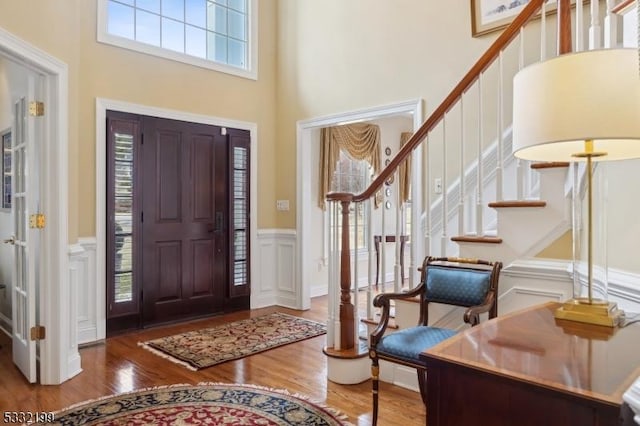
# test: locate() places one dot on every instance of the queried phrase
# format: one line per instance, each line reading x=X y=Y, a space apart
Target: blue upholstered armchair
x=471 y=283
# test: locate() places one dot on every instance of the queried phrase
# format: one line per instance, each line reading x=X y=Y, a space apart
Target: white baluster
x=479 y=206
x=461 y=184
x=371 y=258
x=383 y=252
x=519 y=168
x=579 y=26
x=445 y=210
x=397 y=270
x=330 y=275
x=427 y=199
x=416 y=207
x=500 y=125
x=610 y=26
x=595 y=37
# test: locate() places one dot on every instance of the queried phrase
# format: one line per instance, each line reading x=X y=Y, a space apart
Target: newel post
x=347 y=326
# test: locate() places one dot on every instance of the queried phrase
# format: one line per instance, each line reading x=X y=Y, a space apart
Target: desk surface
x=596 y=362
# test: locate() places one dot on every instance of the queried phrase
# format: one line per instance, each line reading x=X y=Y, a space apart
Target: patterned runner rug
x=210 y=346
x=210 y=404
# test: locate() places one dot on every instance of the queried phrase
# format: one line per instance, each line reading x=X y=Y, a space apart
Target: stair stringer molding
x=525 y=231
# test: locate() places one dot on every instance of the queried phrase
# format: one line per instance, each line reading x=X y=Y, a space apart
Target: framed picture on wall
x=488 y=16
x=5 y=139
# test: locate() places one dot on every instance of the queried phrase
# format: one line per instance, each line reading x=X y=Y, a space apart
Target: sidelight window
x=240 y=215
x=216 y=34
x=123 y=217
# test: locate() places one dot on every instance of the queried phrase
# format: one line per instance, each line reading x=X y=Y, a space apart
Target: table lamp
x=580 y=107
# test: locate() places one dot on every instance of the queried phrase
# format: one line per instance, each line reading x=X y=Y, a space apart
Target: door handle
x=219 y=221
x=11 y=240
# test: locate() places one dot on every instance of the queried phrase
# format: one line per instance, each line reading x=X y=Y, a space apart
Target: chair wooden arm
x=472 y=314
x=383 y=301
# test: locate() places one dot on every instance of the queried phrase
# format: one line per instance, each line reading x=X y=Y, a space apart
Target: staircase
x=493 y=206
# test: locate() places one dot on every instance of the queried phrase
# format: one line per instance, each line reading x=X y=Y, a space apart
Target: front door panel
x=183 y=254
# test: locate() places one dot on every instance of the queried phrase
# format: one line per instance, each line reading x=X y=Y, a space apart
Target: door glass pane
x=123 y=217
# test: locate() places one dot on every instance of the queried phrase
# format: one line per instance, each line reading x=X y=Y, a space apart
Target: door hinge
x=36 y=108
x=38 y=332
x=37 y=221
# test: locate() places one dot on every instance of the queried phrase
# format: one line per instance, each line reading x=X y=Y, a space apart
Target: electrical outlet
x=437 y=185
x=282 y=205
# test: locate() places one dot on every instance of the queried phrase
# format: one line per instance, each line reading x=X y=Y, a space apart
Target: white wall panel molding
x=275 y=283
x=89 y=301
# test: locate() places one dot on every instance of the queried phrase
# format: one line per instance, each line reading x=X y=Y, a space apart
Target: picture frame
x=488 y=16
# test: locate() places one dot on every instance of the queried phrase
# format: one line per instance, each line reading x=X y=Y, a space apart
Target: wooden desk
x=528 y=368
x=377 y=239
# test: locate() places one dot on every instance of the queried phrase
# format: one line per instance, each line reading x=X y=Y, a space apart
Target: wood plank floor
x=119 y=365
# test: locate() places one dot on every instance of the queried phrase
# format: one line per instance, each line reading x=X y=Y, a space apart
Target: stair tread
x=476 y=239
x=375 y=322
x=549 y=165
x=518 y=203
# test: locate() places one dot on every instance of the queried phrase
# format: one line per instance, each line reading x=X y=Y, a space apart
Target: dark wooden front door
x=178 y=209
x=184 y=212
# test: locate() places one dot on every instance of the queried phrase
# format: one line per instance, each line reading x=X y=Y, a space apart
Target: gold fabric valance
x=360 y=140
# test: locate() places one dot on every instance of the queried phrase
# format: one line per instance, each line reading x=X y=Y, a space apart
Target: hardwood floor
x=119 y=365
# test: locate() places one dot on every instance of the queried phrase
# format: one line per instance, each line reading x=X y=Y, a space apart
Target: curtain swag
x=360 y=140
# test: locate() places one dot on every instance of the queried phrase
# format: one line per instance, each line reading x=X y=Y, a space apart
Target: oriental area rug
x=204 y=404
x=210 y=346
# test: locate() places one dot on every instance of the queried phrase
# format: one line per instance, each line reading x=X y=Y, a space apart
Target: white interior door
x=25 y=194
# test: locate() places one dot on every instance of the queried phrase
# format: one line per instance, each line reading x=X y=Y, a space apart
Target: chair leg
x=422 y=382
x=375 y=373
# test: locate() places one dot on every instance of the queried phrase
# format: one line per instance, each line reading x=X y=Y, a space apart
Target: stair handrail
x=346 y=310
x=465 y=83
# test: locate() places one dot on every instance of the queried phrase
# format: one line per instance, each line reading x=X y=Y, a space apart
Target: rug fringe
x=334 y=412
x=155 y=351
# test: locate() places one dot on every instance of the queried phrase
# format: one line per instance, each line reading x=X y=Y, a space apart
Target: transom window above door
x=215 y=34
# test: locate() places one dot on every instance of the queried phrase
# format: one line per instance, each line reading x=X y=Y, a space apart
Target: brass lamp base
x=598 y=312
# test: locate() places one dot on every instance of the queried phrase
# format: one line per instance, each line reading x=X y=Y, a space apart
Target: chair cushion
x=464 y=287
x=407 y=343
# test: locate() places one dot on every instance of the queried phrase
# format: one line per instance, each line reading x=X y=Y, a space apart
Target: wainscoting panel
x=82 y=264
x=275 y=282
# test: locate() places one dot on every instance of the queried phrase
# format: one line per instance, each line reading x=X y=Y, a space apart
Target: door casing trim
x=304 y=146
x=102 y=105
